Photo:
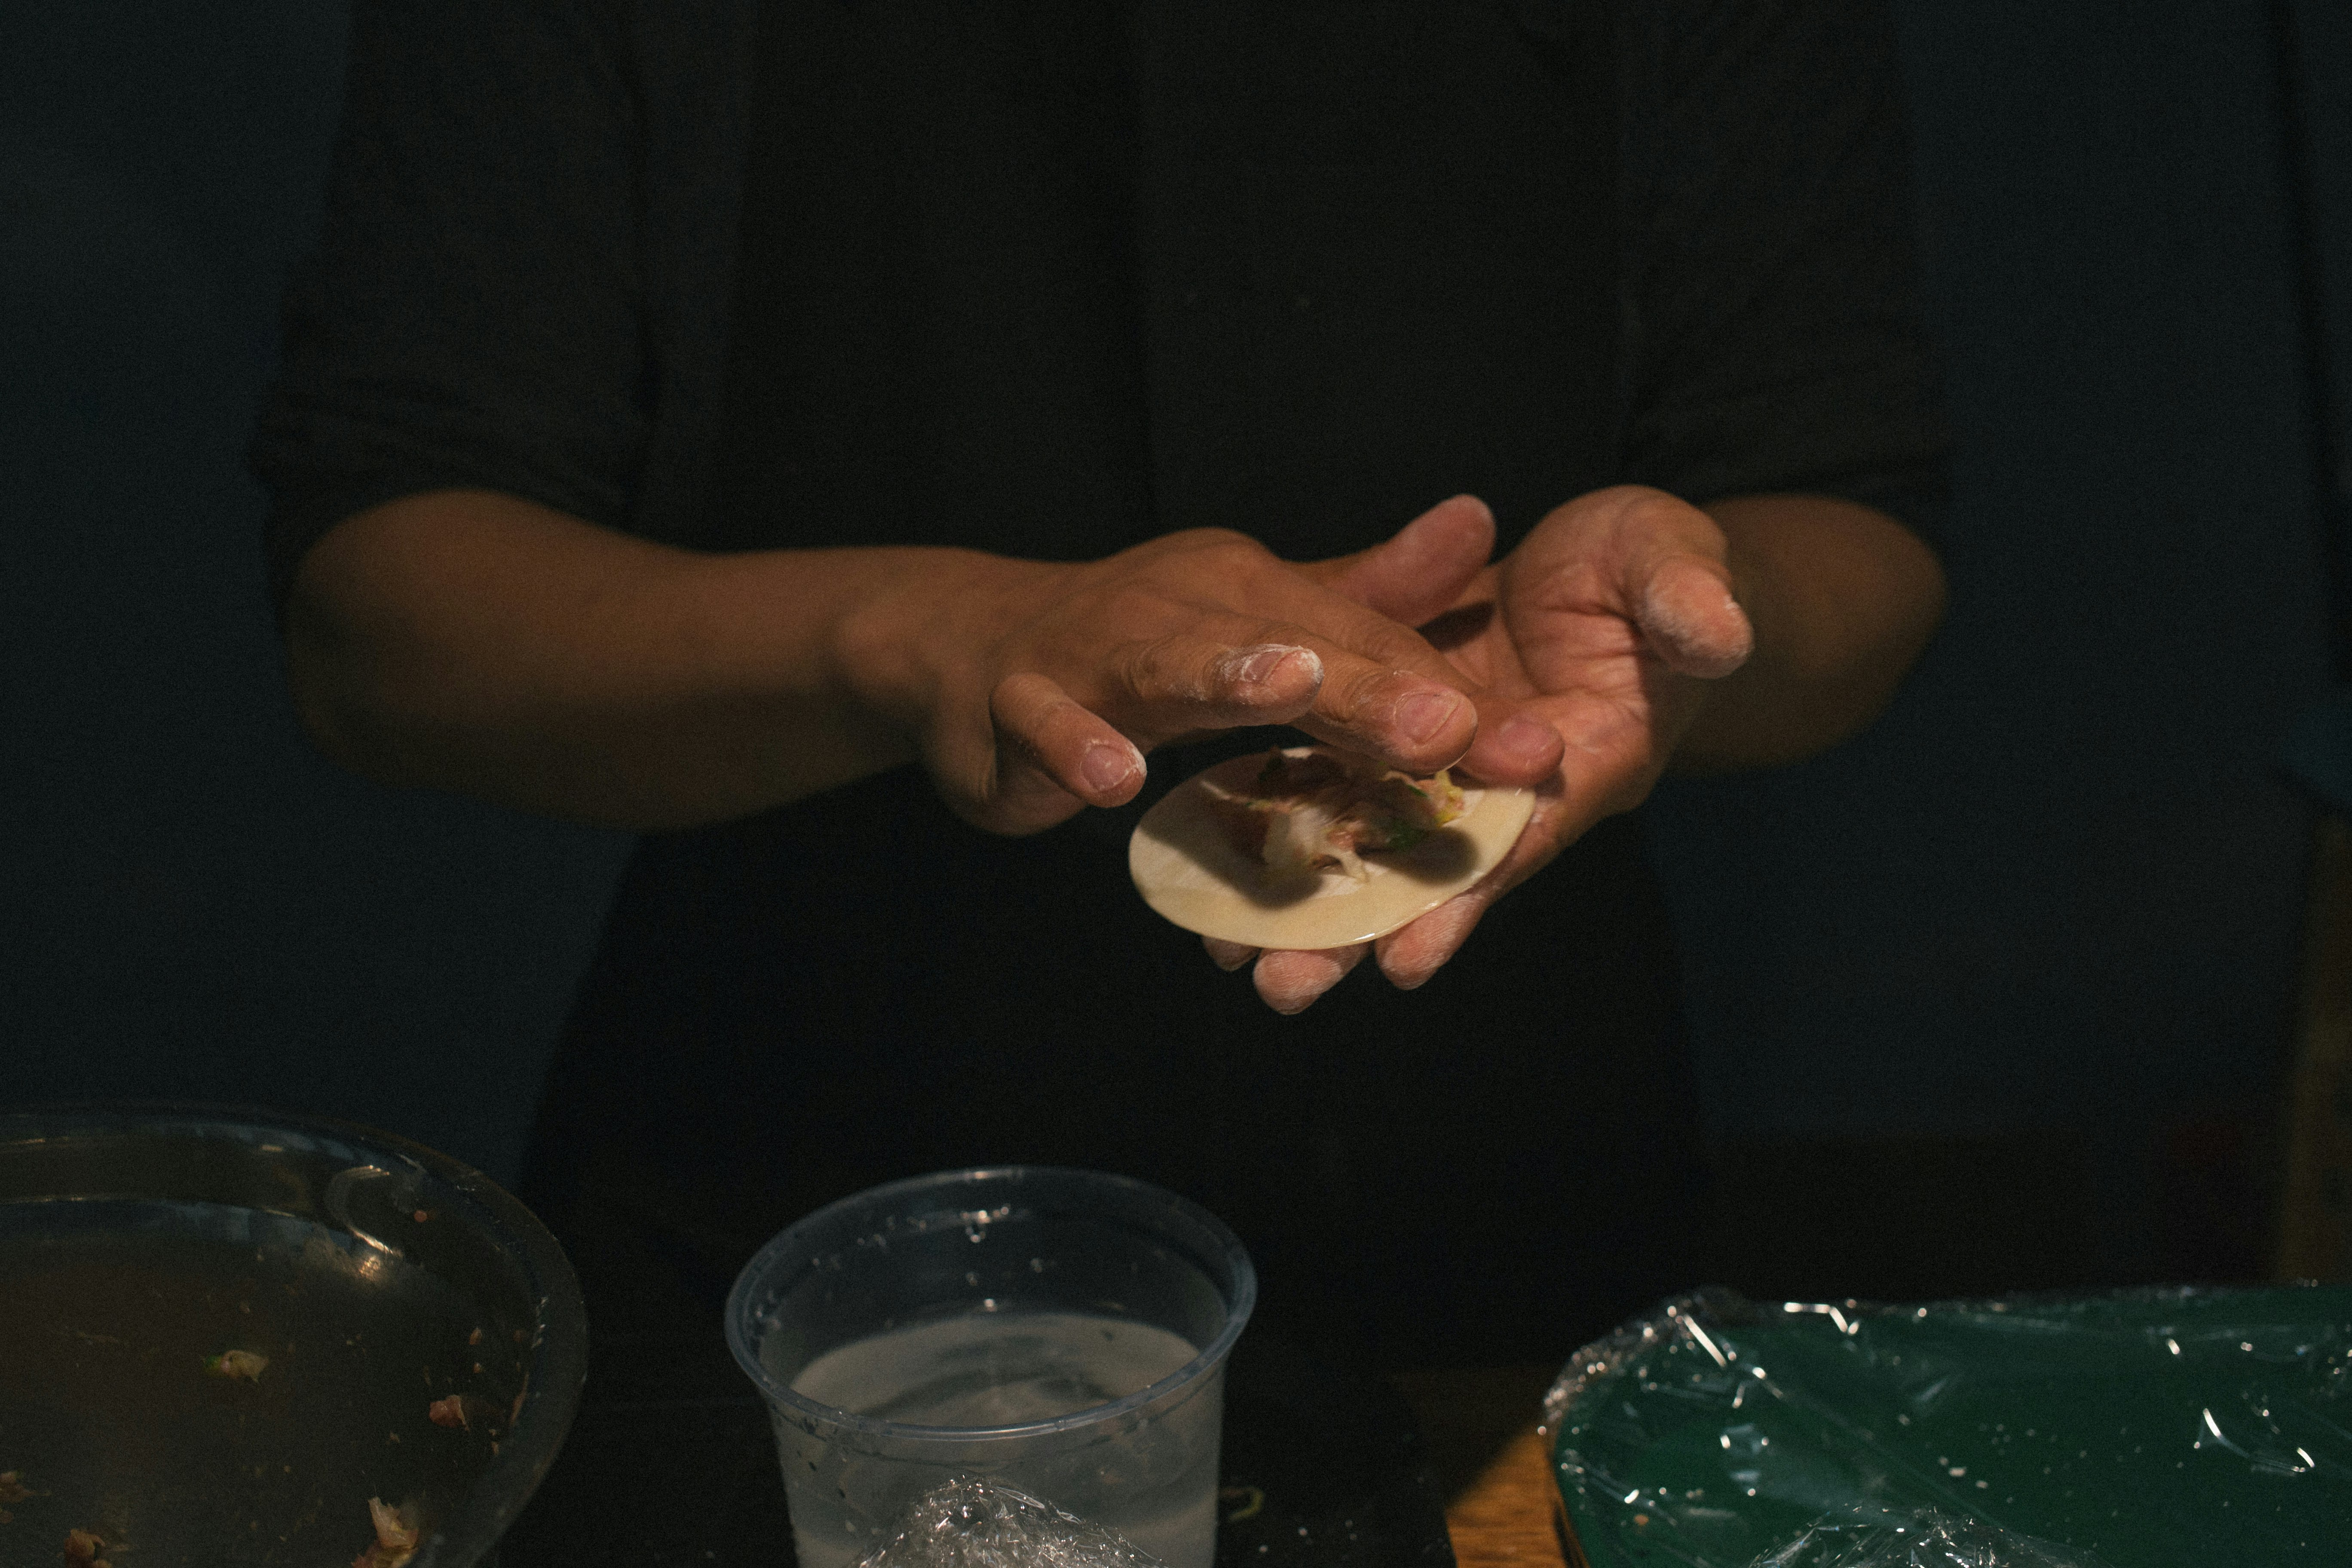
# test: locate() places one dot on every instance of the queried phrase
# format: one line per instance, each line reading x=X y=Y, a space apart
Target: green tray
x=2146 y=1429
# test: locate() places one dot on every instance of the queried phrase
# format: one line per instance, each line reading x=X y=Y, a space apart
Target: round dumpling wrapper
x=1188 y=871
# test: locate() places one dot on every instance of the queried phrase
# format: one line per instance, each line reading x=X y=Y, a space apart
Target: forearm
x=472 y=641
x=1843 y=600
x=477 y=642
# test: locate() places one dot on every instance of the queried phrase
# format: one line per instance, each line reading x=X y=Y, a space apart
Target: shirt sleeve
x=471 y=317
x=1772 y=324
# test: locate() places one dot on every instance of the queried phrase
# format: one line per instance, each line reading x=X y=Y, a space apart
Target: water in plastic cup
x=1063 y=1333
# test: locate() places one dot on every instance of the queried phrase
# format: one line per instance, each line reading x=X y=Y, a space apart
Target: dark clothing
x=525 y=275
x=1474 y=1169
x=1074 y=274
x=1050 y=279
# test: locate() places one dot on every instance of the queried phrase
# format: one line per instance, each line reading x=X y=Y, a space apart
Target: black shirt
x=525 y=275
x=547 y=272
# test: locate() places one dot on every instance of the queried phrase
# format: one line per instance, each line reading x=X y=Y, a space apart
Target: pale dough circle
x=1188 y=872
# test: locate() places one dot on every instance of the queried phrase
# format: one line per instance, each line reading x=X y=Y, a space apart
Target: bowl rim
x=556 y=1369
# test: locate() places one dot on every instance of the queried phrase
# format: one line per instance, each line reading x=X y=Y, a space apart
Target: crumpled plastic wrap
x=970 y=1522
x=2172 y=1428
x=1921 y=1538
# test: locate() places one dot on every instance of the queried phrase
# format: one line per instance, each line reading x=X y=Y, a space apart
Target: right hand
x=1033 y=689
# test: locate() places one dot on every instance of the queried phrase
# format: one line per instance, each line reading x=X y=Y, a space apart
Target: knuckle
x=1224 y=540
x=1141 y=668
x=1028 y=704
x=1135 y=601
x=1367 y=690
x=1390 y=644
x=1275 y=633
x=1225 y=554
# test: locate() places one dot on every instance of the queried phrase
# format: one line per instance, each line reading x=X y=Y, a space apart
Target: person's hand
x=1033 y=689
x=1606 y=624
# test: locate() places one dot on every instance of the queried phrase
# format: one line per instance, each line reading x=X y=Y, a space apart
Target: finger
x=1044 y=725
x=1419 y=572
x=1406 y=719
x=1690 y=619
x=1289 y=982
x=1228 y=956
x=1355 y=684
x=1410 y=956
x=1192 y=680
x=1522 y=749
x=1418 y=725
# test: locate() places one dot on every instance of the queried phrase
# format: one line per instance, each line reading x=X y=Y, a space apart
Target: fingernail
x=1526 y=737
x=1415 y=978
x=1424 y=715
x=1292 y=982
x=1293 y=989
x=1227 y=955
x=1107 y=766
x=1254 y=666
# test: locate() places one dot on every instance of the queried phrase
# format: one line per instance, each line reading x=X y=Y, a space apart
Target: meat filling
x=1325 y=810
x=397 y=1536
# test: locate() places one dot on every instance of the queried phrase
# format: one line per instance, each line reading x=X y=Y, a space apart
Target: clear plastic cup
x=1062 y=1332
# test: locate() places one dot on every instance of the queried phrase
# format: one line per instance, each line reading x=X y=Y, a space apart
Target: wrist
x=766 y=647
x=1843 y=600
x=904 y=648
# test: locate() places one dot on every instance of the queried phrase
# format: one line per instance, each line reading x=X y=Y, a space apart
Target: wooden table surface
x=1478 y=1428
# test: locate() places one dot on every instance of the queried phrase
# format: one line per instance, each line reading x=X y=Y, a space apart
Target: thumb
x=1690 y=619
x=1418 y=573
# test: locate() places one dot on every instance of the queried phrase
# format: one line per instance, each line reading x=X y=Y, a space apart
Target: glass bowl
x=224 y=1332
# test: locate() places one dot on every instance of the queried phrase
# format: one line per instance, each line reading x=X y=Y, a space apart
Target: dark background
x=2014 y=972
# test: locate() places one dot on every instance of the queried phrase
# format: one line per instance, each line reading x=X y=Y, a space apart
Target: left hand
x=1608 y=621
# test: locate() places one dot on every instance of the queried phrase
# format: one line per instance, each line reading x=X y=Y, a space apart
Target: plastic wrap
x=1922 y=1538
x=2142 y=1429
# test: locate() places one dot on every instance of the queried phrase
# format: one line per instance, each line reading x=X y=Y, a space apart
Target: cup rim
x=791 y=1239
